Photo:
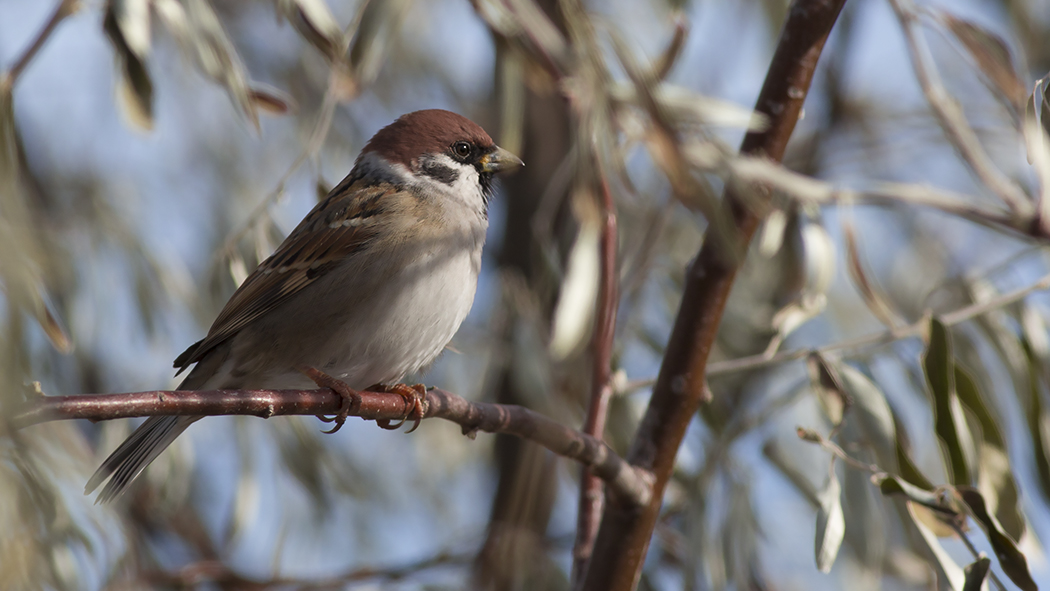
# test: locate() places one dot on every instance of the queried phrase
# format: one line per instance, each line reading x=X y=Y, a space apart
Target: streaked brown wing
x=339 y=226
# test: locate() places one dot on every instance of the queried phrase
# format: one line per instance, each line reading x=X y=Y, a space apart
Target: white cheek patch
x=456 y=180
x=375 y=166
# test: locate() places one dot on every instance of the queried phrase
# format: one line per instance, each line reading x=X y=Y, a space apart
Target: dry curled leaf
x=875 y=302
x=315 y=23
x=270 y=100
x=993 y=59
x=126 y=24
x=217 y=57
x=673 y=50
x=827 y=383
x=371 y=43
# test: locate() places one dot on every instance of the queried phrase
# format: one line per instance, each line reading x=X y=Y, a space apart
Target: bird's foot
x=350 y=397
x=413 y=395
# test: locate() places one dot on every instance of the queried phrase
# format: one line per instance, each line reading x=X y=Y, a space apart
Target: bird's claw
x=413 y=395
x=350 y=397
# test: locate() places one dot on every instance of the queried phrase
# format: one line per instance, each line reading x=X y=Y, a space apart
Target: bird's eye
x=462 y=149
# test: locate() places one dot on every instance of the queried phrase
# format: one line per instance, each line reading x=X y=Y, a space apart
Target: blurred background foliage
x=153 y=151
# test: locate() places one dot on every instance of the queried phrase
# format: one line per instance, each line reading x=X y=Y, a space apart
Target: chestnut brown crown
x=431 y=131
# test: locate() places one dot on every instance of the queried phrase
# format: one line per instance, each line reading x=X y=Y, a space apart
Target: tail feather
x=137 y=451
x=156 y=434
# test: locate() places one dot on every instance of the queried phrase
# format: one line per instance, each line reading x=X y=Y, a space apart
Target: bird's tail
x=141 y=447
x=131 y=458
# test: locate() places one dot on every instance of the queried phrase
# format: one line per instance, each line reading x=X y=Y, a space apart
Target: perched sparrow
x=370 y=286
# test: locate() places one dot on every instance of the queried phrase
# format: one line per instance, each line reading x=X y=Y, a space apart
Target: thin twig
x=591 y=498
x=952 y=119
x=64 y=9
x=832 y=447
x=957 y=528
x=888 y=336
x=806 y=189
x=631 y=484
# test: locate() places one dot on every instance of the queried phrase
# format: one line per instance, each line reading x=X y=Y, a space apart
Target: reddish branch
x=632 y=483
x=591 y=493
x=626 y=529
x=222 y=576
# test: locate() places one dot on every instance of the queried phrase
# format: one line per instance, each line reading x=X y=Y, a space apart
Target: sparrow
x=370 y=286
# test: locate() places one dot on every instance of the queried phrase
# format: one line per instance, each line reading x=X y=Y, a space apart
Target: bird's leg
x=413 y=395
x=351 y=398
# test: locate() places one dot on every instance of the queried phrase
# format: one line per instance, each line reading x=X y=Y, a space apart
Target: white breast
x=410 y=315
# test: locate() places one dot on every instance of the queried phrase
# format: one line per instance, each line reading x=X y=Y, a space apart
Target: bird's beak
x=500 y=160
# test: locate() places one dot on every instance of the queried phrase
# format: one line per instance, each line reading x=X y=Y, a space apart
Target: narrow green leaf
x=949 y=422
x=1036 y=421
x=907 y=468
x=953 y=573
x=1012 y=561
x=993 y=59
x=831 y=523
x=976 y=573
x=872 y=414
x=880 y=427
x=890 y=484
x=995 y=477
x=937 y=511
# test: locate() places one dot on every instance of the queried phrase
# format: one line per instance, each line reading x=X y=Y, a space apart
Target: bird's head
x=440 y=150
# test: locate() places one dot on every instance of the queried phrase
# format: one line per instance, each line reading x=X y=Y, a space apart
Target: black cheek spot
x=486 y=179
x=440 y=172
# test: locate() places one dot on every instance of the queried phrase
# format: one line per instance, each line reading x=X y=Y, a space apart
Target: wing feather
x=339 y=226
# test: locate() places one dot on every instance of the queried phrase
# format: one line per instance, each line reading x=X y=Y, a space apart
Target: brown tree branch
x=589 y=513
x=626 y=530
x=630 y=483
x=195 y=574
